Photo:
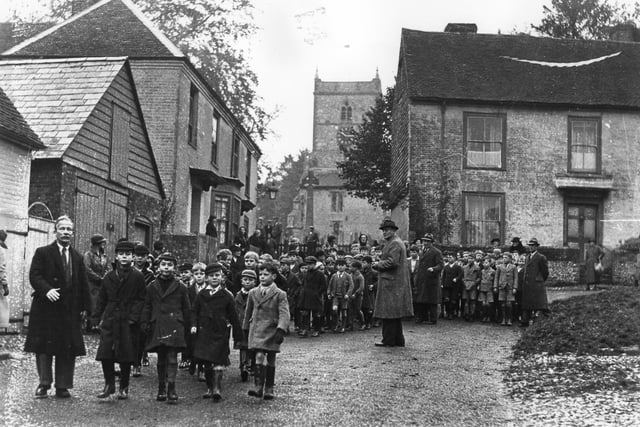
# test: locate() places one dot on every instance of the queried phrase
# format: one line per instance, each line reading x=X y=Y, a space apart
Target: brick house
x=17 y=142
x=323 y=201
x=513 y=135
x=98 y=166
x=206 y=159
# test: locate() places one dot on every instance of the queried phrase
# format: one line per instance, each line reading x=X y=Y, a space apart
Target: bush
x=599 y=323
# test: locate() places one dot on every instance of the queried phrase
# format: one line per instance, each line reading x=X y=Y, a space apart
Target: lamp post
x=272 y=190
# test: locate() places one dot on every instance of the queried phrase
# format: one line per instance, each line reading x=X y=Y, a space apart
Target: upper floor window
x=336 y=201
x=235 y=155
x=584 y=144
x=214 y=138
x=346 y=113
x=483 y=218
x=247 y=177
x=193 y=115
x=484 y=139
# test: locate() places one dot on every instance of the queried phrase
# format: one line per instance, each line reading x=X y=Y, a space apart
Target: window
x=484 y=139
x=336 y=201
x=584 y=144
x=235 y=219
x=221 y=211
x=193 y=116
x=483 y=217
x=346 y=113
x=120 y=131
x=142 y=231
x=247 y=177
x=214 y=138
x=196 y=198
x=235 y=155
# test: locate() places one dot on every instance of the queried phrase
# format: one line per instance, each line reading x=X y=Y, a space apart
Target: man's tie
x=66 y=266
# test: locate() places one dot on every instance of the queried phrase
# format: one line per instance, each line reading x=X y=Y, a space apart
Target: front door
x=582 y=226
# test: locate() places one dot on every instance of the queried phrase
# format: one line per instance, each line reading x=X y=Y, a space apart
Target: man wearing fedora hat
x=95 y=262
x=428 y=281
x=534 y=292
x=393 y=298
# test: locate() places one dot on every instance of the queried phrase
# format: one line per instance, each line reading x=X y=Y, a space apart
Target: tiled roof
x=56 y=96
x=109 y=28
x=13 y=125
x=520 y=69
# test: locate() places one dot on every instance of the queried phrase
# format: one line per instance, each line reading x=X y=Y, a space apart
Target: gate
x=40 y=233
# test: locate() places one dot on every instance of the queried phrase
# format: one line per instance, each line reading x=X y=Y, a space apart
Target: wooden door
x=582 y=226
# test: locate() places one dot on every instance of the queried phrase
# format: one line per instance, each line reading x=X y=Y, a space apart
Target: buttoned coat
x=166 y=315
x=55 y=327
x=534 y=293
x=212 y=314
x=264 y=315
x=428 y=282
x=314 y=285
x=393 y=296
x=119 y=305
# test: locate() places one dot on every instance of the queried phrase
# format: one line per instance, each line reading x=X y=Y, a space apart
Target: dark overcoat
x=370 y=287
x=265 y=314
x=55 y=328
x=119 y=306
x=428 y=282
x=241 y=307
x=212 y=314
x=593 y=254
x=534 y=293
x=314 y=285
x=393 y=296
x=166 y=315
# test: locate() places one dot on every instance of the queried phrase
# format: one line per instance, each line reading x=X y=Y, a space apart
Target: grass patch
x=603 y=323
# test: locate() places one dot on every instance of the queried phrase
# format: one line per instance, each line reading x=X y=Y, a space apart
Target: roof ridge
x=127 y=3
x=20 y=61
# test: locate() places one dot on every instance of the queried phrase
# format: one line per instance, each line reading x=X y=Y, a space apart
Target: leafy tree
x=287 y=179
x=582 y=19
x=366 y=168
x=210 y=32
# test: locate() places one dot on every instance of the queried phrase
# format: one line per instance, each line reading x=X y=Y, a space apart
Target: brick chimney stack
x=461 y=28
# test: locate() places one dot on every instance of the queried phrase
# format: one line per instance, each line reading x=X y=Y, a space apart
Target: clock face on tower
x=345 y=135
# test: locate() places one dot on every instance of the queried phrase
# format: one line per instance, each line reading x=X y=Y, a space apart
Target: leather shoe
x=41 y=391
x=63 y=393
x=109 y=389
x=381 y=344
x=123 y=394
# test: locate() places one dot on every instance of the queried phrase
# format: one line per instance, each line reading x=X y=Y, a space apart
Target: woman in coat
x=118 y=308
x=534 y=292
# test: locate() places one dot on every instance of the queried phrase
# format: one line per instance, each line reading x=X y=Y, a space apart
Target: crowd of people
x=146 y=301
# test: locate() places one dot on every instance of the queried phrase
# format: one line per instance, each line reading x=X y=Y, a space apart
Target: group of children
x=146 y=304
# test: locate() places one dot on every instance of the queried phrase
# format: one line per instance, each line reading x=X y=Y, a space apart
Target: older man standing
x=60 y=302
x=534 y=292
x=393 y=299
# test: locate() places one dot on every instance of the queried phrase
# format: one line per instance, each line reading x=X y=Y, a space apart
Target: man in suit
x=393 y=298
x=61 y=301
x=429 y=293
x=534 y=292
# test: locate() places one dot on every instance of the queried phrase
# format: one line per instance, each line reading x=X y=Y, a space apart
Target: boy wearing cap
x=119 y=306
x=294 y=286
x=339 y=286
x=267 y=320
x=451 y=284
x=485 y=292
x=247 y=358
x=165 y=317
x=354 y=295
x=213 y=311
x=96 y=263
x=506 y=283
x=471 y=278
x=314 y=286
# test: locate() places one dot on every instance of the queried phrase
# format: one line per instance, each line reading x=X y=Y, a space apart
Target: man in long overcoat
x=60 y=303
x=428 y=280
x=118 y=309
x=393 y=298
x=534 y=292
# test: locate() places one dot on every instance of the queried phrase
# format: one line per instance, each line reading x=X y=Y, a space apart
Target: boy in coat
x=339 y=286
x=118 y=307
x=165 y=317
x=248 y=280
x=213 y=311
x=266 y=320
x=506 y=283
x=451 y=281
x=354 y=295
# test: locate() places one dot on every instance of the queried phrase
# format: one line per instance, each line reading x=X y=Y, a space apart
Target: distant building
x=323 y=201
x=524 y=136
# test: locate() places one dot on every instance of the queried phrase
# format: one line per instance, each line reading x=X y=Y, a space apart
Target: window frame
x=501 y=220
x=598 y=122
x=192 y=127
x=337 y=202
x=465 y=144
x=235 y=155
x=215 y=136
x=223 y=232
x=247 y=175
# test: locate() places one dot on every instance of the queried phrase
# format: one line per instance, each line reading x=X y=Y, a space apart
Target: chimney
x=624 y=32
x=6 y=36
x=461 y=28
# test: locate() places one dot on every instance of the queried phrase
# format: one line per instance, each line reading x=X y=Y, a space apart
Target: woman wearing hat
x=393 y=298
